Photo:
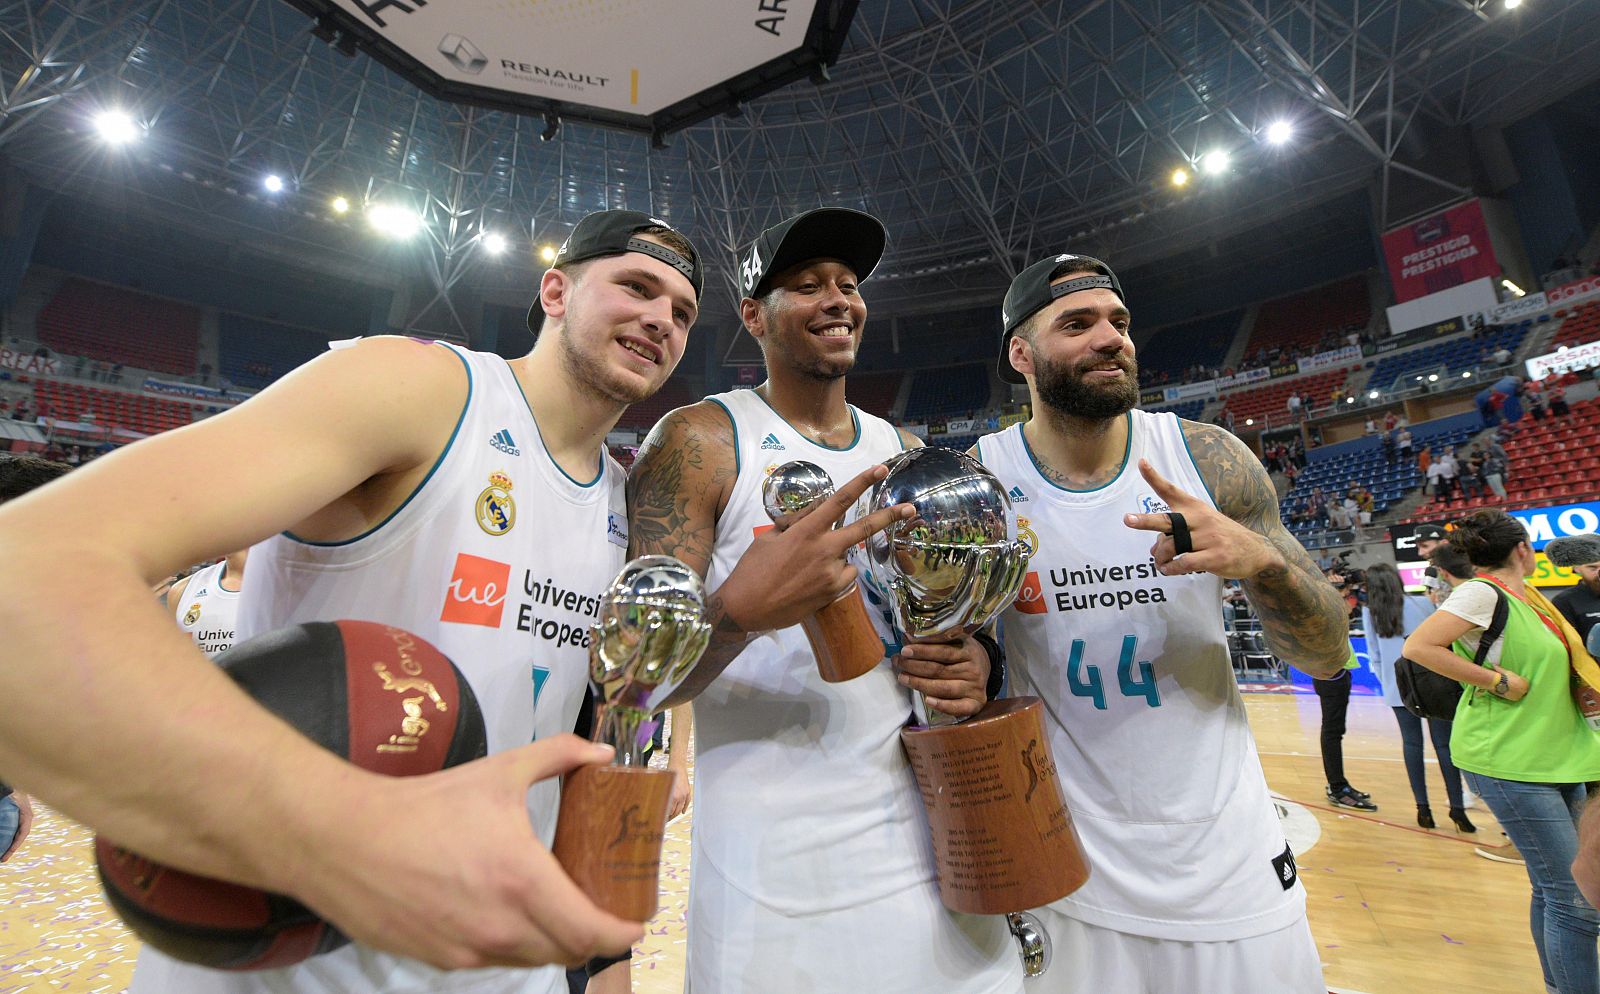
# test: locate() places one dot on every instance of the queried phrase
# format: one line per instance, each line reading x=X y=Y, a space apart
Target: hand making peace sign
x=1197 y=538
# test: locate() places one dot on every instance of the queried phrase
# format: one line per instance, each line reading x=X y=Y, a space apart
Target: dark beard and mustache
x=1062 y=387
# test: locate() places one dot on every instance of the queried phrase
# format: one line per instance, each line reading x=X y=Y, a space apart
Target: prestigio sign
x=637 y=64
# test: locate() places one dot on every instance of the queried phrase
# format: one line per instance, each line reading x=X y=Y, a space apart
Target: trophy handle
x=1033 y=942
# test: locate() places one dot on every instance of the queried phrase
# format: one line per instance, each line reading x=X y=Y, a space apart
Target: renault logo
x=463 y=54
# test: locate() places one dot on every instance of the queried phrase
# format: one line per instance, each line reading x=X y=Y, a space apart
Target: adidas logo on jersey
x=1017 y=496
x=771 y=442
x=501 y=441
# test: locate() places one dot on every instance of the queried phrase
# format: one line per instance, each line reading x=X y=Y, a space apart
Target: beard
x=1063 y=388
x=591 y=373
x=809 y=364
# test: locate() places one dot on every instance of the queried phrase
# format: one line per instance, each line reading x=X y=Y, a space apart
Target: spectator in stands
x=1371 y=427
x=1402 y=443
x=1558 y=400
x=1294 y=406
x=1494 y=472
x=1365 y=503
x=1452 y=466
x=1389 y=615
x=1389 y=421
x=1387 y=441
x=1439 y=480
x=1470 y=474
x=1524 y=746
x=1339 y=517
x=1535 y=404
x=1501 y=356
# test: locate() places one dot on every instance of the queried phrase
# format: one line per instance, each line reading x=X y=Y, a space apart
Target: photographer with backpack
x=1525 y=731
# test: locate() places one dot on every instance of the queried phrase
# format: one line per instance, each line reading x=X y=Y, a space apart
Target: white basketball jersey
x=498 y=559
x=1150 y=735
x=805 y=805
x=208 y=612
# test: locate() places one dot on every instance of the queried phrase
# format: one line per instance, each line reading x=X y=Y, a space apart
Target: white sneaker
x=1468 y=798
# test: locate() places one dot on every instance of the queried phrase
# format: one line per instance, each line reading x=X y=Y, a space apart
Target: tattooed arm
x=677 y=490
x=1302 y=615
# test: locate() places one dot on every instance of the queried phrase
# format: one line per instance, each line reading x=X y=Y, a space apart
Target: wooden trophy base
x=608 y=835
x=843 y=638
x=1003 y=839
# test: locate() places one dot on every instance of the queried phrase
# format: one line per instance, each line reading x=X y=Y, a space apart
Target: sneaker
x=1348 y=797
x=1468 y=798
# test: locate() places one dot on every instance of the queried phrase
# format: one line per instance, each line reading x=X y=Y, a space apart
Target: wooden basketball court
x=1395 y=909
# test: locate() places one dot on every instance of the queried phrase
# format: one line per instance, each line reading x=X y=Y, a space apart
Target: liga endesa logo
x=477 y=591
x=1030 y=599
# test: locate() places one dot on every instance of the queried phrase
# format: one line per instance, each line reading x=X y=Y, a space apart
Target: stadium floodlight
x=1466 y=374
x=1513 y=289
x=273 y=183
x=1433 y=377
x=1249 y=421
x=1349 y=400
x=1372 y=395
x=396 y=222
x=494 y=243
x=1215 y=162
x=548 y=254
x=1562 y=349
x=340 y=205
x=1180 y=177
x=1513 y=4
x=116 y=127
x=1279 y=132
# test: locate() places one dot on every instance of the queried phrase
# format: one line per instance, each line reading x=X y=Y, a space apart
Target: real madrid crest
x=1026 y=536
x=497 y=512
x=192 y=615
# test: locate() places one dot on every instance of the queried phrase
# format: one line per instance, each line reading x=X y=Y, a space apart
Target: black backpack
x=1427 y=694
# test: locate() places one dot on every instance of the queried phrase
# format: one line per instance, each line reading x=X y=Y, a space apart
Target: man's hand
x=1221 y=545
x=787 y=574
x=459 y=844
x=24 y=824
x=952 y=677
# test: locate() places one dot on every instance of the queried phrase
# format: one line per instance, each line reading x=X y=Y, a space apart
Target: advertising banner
x=191 y=391
x=1172 y=395
x=1585 y=356
x=27 y=362
x=1513 y=310
x=1328 y=360
x=1440 y=251
x=1572 y=293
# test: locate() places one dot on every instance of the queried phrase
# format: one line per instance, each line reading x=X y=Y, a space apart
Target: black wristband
x=594 y=966
x=997 y=664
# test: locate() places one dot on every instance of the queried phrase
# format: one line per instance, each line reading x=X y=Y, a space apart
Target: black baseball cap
x=1032 y=291
x=1429 y=533
x=855 y=238
x=613 y=233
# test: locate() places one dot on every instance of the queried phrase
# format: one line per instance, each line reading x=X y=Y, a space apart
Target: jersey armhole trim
x=448 y=445
x=735 y=426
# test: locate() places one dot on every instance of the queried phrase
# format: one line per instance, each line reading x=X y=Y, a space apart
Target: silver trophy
x=957 y=563
x=651 y=632
x=794 y=488
x=946 y=572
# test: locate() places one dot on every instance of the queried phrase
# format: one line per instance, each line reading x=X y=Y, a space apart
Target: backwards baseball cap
x=853 y=237
x=613 y=233
x=1032 y=291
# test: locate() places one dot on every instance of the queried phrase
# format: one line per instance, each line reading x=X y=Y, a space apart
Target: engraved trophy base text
x=1003 y=839
x=843 y=639
x=609 y=832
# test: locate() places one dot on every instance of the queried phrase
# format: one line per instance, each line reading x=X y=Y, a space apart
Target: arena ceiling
x=983 y=132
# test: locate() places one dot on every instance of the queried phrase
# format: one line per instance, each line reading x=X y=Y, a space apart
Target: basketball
x=380 y=697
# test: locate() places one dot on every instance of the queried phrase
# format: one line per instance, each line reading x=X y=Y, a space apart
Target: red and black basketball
x=380 y=697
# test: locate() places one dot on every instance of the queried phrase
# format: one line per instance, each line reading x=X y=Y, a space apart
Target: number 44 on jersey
x=1133 y=679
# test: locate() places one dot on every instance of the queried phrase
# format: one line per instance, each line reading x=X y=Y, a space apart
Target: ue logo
x=477 y=591
x=1030 y=599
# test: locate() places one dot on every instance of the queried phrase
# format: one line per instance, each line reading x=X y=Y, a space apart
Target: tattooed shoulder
x=679 y=482
x=1239 y=484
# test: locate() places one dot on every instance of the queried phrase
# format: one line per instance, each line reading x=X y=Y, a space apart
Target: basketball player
x=206 y=602
x=811 y=868
x=421 y=485
x=1122 y=640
